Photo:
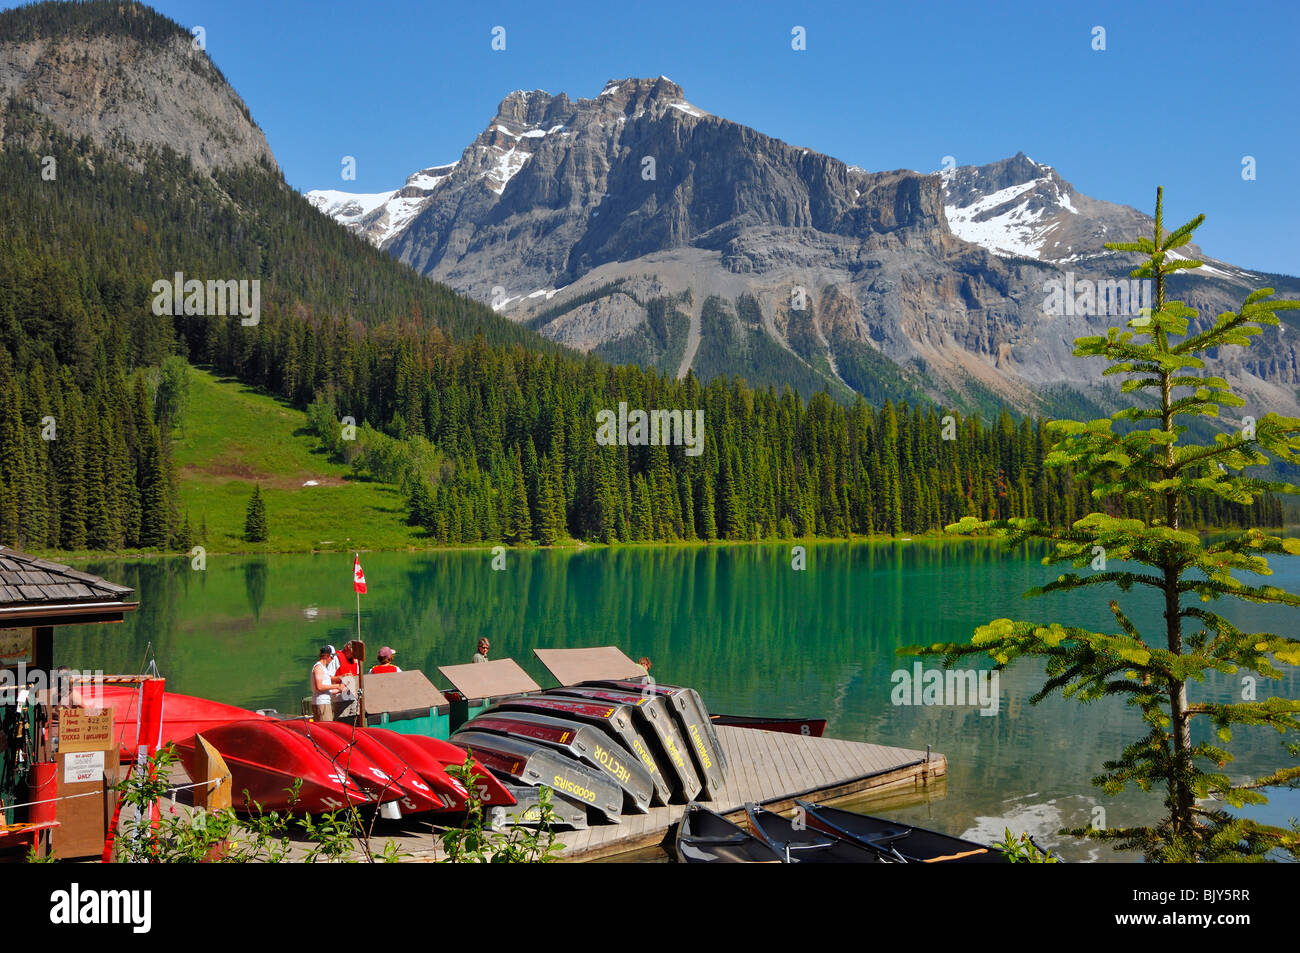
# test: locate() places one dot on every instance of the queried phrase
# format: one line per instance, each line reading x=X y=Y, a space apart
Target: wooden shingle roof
x=30 y=586
x=27 y=579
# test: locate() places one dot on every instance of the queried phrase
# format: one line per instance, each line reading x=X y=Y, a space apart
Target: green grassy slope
x=234 y=437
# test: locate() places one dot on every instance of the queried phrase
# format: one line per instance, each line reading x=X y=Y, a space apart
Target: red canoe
x=265 y=761
x=183 y=716
x=420 y=796
x=490 y=791
x=791 y=726
x=380 y=786
x=429 y=768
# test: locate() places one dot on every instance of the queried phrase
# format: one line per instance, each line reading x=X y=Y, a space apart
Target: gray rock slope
x=642 y=228
x=126 y=94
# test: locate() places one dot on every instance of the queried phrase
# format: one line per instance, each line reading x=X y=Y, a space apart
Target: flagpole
x=361 y=694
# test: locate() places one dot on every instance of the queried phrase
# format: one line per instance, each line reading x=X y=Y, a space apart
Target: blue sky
x=1178 y=97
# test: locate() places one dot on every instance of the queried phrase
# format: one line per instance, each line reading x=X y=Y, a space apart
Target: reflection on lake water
x=737 y=622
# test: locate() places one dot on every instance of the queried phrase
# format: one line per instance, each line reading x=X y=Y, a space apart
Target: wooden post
x=210 y=766
x=43 y=649
x=359 y=653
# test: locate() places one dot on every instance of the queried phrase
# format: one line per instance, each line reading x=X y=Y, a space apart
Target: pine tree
x=69 y=472
x=706 y=508
x=641 y=509
x=519 y=529
x=606 y=498
x=420 y=503
x=185 y=535
x=13 y=463
x=255 y=529
x=550 y=503
x=1159 y=476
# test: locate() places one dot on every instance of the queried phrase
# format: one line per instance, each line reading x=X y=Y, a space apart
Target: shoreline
x=929 y=536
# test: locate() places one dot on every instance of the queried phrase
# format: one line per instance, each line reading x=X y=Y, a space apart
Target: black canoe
x=584 y=743
x=654 y=718
x=694 y=724
x=796 y=843
x=614 y=719
x=912 y=844
x=707 y=838
x=529 y=763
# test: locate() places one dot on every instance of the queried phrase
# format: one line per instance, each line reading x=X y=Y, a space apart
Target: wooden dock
x=766 y=767
x=769 y=768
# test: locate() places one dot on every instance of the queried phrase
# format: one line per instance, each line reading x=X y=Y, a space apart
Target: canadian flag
x=358 y=577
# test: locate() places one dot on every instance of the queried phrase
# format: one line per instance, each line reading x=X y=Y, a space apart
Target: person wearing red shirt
x=385 y=662
x=347 y=664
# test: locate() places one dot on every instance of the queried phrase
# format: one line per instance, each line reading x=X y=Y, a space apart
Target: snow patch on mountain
x=1017 y=220
x=507 y=166
x=689 y=109
x=429 y=178
x=546 y=293
x=347 y=207
x=378 y=216
x=1002 y=224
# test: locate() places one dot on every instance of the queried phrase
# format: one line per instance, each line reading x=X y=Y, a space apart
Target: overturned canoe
x=183 y=716
x=266 y=763
x=586 y=743
x=528 y=763
x=380 y=786
x=615 y=719
x=434 y=771
x=487 y=788
x=693 y=721
x=654 y=719
x=897 y=840
x=704 y=837
x=420 y=796
x=527 y=811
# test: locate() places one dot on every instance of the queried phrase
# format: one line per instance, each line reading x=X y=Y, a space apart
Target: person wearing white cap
x=385 y=662
x=323 y=688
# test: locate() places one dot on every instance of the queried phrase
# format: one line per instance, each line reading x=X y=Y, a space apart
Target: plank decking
x=766 y=767
x=770 y=768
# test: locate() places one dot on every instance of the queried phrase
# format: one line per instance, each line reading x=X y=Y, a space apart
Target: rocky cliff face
x=131 y=88
x=1019 y=207
x=553 y=189
x=640 y=227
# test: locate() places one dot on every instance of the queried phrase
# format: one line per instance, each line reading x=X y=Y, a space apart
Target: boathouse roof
x=35 y=591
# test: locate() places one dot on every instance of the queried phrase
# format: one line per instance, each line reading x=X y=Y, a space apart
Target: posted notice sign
x=85 y=729
x=16 y=646
x=82 y=766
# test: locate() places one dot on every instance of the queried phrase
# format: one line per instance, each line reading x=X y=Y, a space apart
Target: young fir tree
x=550 y=503
x=255 y=517
x=1146 y=463
x=519 y=527
x=184 y=535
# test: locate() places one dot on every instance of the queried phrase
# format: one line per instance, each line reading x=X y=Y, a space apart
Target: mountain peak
x=632 y=91
x=152 y=88
x=530 y=109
